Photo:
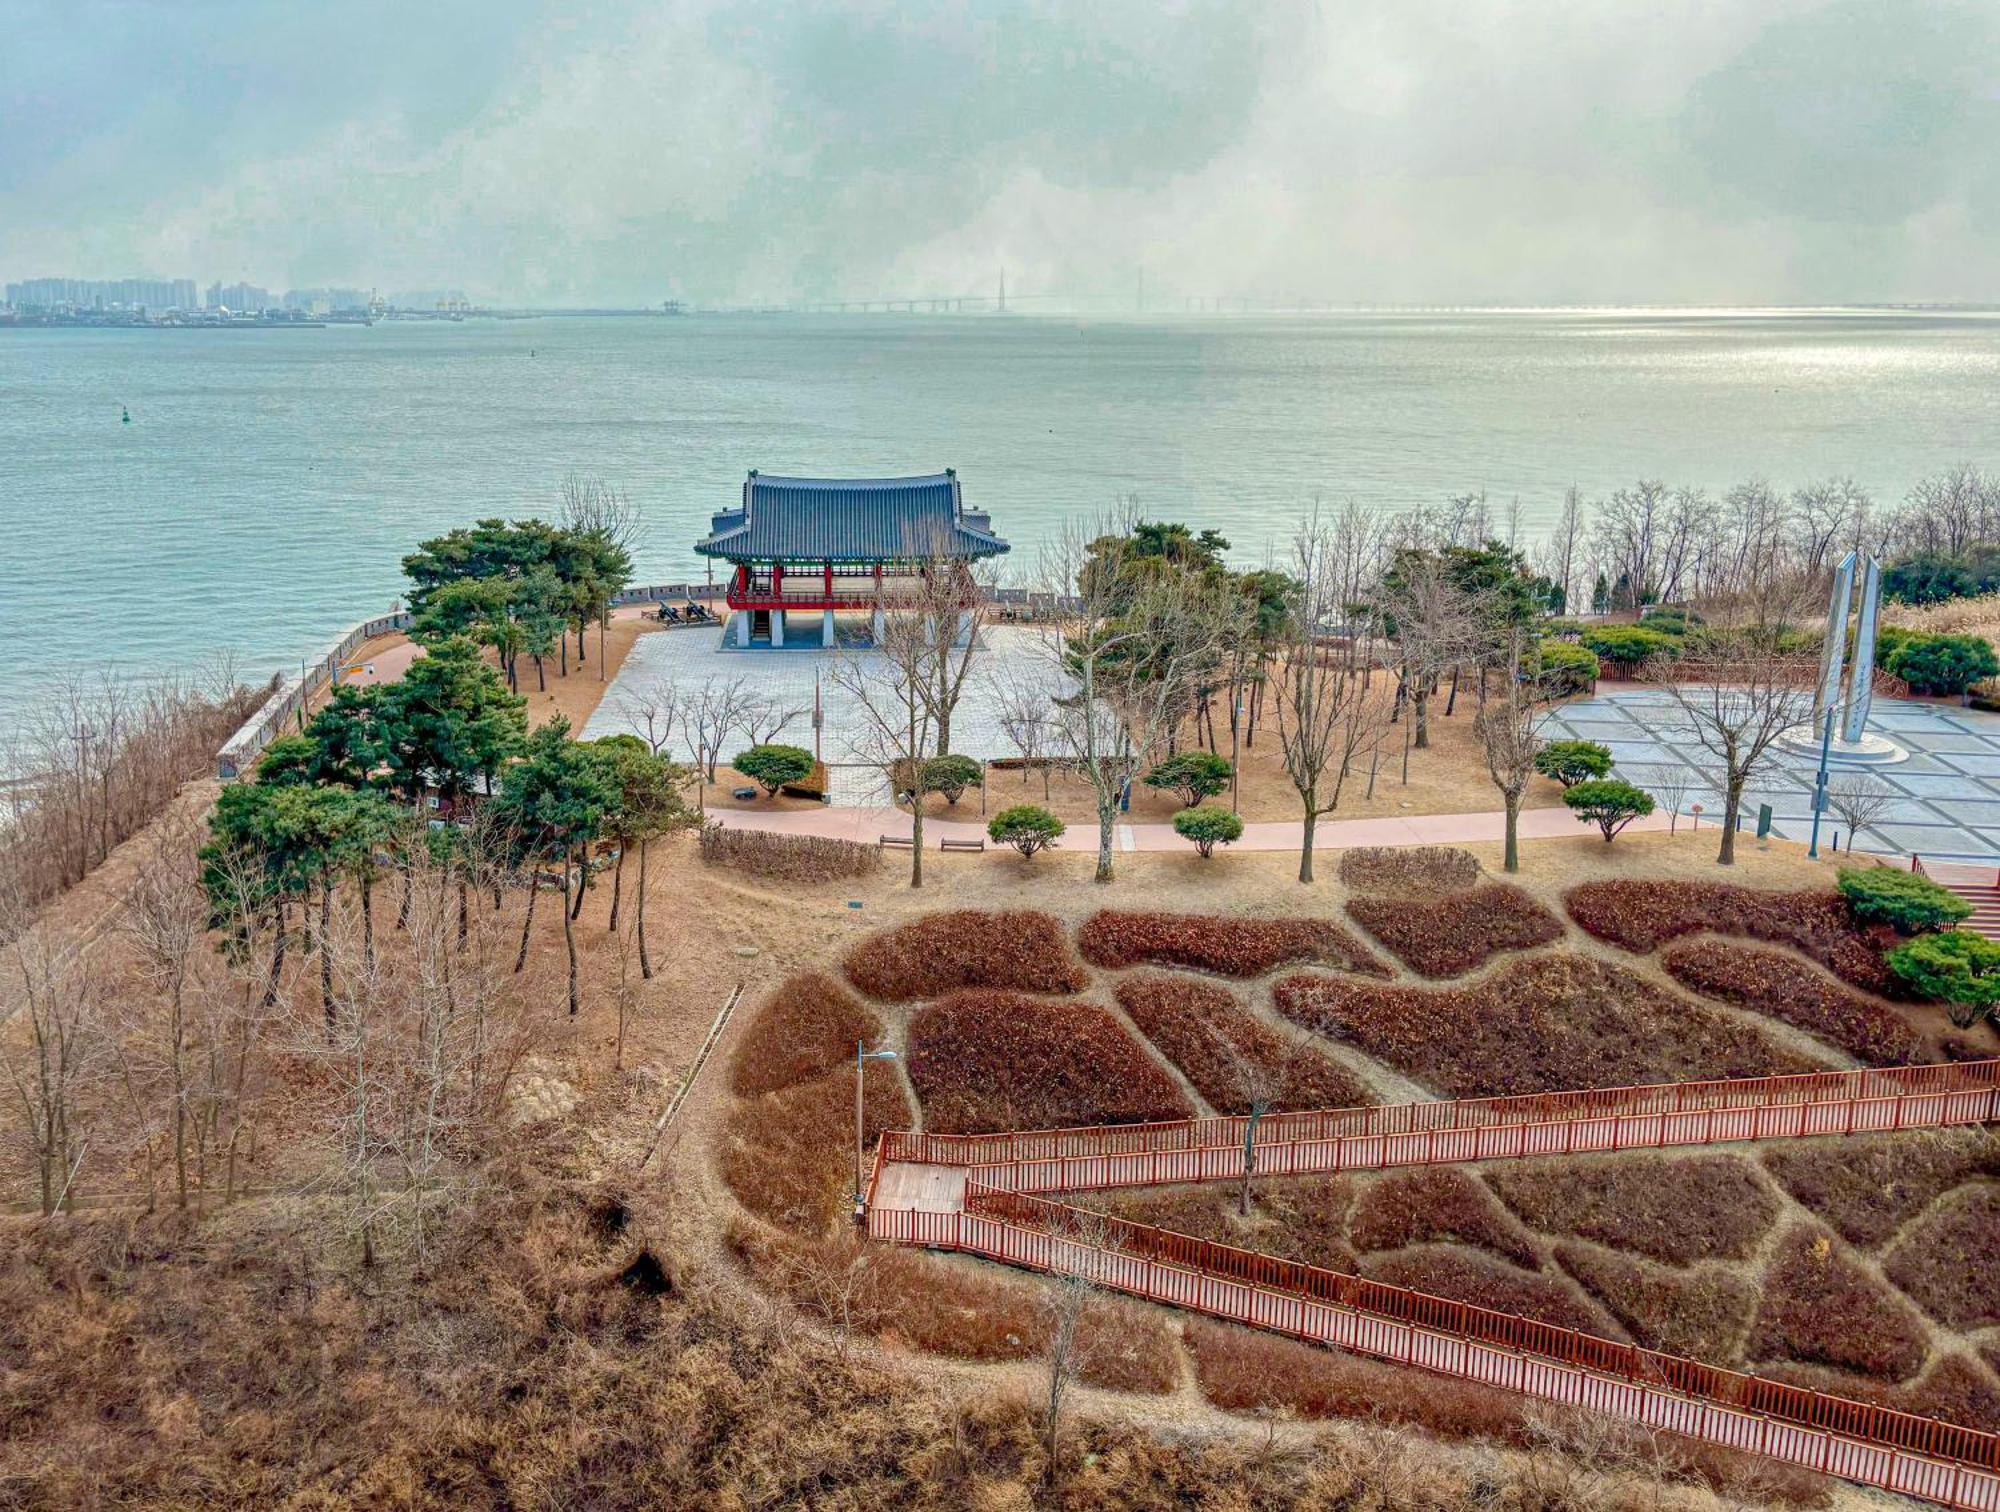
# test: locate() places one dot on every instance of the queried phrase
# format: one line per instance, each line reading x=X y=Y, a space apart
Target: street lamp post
x=1819 y=784
x=862 y=1054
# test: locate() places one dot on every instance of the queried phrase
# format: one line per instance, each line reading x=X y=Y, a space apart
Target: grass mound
x=1449 y=936
x=1766 y=982
x=1946 y=1262
x=1203 y=1029
x=1540 y=1025
x=806 y=1027
x=966 y=947
x=788 y=1155
x=1700 y=1314
x=1681 y=1211
x=1408 y=871
x=1437 y=1204
x=986 y=1062
x=1467 y=1276
x=1821 y=1308
x=1867 y=1186
x=1228 y=947
x=1642 y=916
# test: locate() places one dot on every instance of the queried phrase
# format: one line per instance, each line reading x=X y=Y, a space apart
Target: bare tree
x=1024 y=704
x=1826 y=514
x=52 y=1060
x=652 y=709
x=709 y=715
x=1741 y=698
x=888 y=685
x=764 y=718
x=166 y=917
x=592 y=507
x=1507 y=726
x=1669 y=783
x=1259 y=1083
x=1562 y=553
x=1066 y=1307
x=1859 y=798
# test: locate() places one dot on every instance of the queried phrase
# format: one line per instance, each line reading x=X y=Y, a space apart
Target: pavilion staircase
x=1978 y=885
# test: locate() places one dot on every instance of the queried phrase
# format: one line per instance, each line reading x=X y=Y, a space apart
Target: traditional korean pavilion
x=817 y=546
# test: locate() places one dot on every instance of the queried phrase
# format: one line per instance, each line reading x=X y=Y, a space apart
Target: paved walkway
x=869 y=824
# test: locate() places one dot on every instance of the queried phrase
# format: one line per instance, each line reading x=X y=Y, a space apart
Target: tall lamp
x=862 y=1055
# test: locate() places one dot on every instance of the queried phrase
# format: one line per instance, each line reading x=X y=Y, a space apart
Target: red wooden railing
x=1555 y=1123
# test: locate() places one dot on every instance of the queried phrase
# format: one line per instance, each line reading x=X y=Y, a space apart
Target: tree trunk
x=1732 y=800
x=1513 y=851
x=582 y=877
x=645 y=963
x=326 y=957
x=368 y=920
x=569 y=934
x=464 y=908
x=917 y=840
x=1451 y=701
x=562 y=647
x=277 y=961
x=1421 y=701
x=1106 y=821
x=528 y=923
x=409 y=893
x=541 y=675
x=617 y=885
x=1306 y=849
x=603 y=659
x=1249 y=1163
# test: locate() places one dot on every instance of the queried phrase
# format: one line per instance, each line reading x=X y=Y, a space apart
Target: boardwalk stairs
x=1978 y=885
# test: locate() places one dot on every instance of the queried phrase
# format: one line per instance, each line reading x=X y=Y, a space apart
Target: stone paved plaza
x=1949 y=788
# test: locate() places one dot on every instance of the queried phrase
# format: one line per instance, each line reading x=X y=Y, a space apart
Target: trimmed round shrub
x=1610 y=805
x=1957 y=968
x=1028 y=827
x=1573 y=761
x=1943 y=663
x=1628 y=647
x=772 y=766
x=1191 y=776
x=1208 y=826
x=1906 y=901
x=1563 y=669
x=952 y=775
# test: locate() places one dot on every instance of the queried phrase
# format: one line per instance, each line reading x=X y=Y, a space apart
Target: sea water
x=267 y=483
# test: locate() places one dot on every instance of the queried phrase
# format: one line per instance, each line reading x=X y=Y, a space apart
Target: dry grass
x=1540 y=1025
x=1642 y=916
x=1189 y=1020
x=1228 y=947
x=1408 y=871
x=1467 y=1276
x=789 y=1155
x=805 y=1028
x=1303 y=1220
x=1821 y=1308
x=787 y=858
x=984 y=1062
x=941 y=952
x=1437 y=1204
x=1766 y=982
x=1679 y=1210
x=1449 y=936
x=1867 y=1186
x=1700 y=1314
x=1949 y=1260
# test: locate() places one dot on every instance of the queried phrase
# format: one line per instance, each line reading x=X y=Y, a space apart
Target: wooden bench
x=897 y=842
x=962 y=845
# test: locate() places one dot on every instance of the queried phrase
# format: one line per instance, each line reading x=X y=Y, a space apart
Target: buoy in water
x=124 y=416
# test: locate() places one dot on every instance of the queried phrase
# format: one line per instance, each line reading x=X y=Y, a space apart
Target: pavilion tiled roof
x=850 y=520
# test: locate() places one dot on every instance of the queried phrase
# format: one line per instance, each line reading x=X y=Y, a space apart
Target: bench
x=897 y=842
x=961 y=845
x=743 y=795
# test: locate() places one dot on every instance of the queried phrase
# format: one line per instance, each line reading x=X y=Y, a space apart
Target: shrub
x=1028 y=827
x=964 y=947
x=1562 y=669
x=983 y=1062
x=1540 y=1025
x=1450 y=936
x=1946 y=1260
x=1906 y=901
x=1628 y=647
x=1943 y=663
x=1642 y=916
x=952 y=775
x=1403 y=871
x=1766 y=982
x=1822 y=1308
x=1208 y=826
x=1230 y=947
x=787 y=858
x=1467 y=1276
x=1700 y=1314
x=772 y=766
x=789 y=1155
x=1867 y=1186
x=1610 y=805
x=1189 y=1021
x=1680 y=1210
x=803 y=1029
x=1957 y=968
x=1573 y=761
x=1191 y=776
x=1437 y=1204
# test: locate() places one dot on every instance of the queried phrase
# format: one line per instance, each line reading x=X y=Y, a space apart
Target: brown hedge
x=1867 y=1186
x=1949 y=1259
x=806 y=1027
x=1953 y=1389
x=1468 y=1276
x=1437 y=1204
x=966 y=947
x=1408 y=870
x=986 y=1062
x=788 y=858
x=789 y=1155
x=1303 y=1219
x=1766 y=982
x=1642 y=916
x=1113 y=938
x=1821 y=1308
x=1700 y=1314
x=1186 y=1019
x=1678 y=1210
x=1449 y=936
x=1546 y=1024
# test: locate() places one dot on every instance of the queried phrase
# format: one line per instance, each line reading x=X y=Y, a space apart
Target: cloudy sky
x=1387 y=151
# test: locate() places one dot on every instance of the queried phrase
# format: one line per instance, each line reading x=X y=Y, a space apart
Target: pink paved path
x=870 y=824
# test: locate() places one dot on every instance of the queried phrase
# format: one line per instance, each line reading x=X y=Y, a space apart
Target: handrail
x=1320 y=1124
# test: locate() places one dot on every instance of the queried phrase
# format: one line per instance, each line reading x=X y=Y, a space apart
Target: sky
x=1352 y=151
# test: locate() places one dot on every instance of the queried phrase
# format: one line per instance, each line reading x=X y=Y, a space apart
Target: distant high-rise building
x=239 y=296
x=102 y=293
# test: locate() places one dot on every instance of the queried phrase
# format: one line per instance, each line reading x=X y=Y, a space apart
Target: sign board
x=1763 y=820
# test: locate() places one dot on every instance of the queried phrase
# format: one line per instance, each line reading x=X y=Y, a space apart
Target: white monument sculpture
x=1851 y=740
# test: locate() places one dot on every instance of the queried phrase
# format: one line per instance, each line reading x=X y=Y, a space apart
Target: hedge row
x=1467 y=1276
x=1821 y=1308
x=1868 y=1186
x=787 y=858
x=788 y=1155
x=1437 y=1205
x=1405 y=871
x=966 y=947
x=1766 y=982
x=1451 y=935
x=1680 y=1210
x=1203 y=1029
x=1700 y=1314
x=806 y=1027
x=1229 y=947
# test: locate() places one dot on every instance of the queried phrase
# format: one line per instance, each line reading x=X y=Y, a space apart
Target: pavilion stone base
x=1869 y=750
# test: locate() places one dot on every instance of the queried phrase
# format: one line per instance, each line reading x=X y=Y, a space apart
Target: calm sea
x=268 y=482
